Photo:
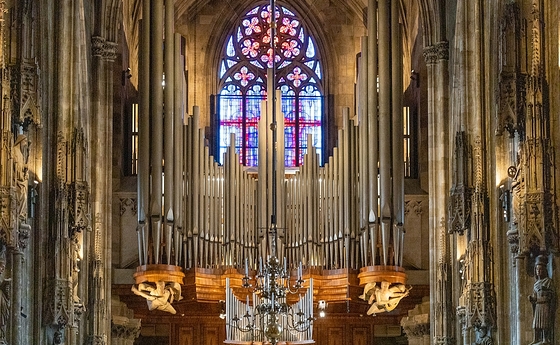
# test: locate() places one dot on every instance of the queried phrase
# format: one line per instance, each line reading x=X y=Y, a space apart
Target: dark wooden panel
x=360 y=336
x=210 y=335
x=335 y=336
x=186 y=336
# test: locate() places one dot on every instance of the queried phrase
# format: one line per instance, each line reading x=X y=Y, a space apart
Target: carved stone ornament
x=480 y=305
x=25 y=106
x=510 y=115
x=444 y=341
x=414 y=206
x=103 y=48
x=97 y=340
x=78 y=207
x=460 y=195
x=125 y=328
x=7 y=210
x=129 y=205
x=57 y=311
x=436 y=52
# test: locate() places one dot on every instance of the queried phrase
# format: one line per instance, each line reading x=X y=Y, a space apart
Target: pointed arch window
x=242 y=74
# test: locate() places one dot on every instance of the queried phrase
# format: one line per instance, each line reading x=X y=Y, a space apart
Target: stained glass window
x=243 y=78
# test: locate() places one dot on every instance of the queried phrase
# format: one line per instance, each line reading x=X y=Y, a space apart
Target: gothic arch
x=223 y=25
x=432 y=16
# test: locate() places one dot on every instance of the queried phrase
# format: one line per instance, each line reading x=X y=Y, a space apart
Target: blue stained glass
x=230 y=50
x=256 y=63
x=222 y=69
x=286 y=11
x=310 y=64
x=318 y=70
x=231 y=63
x=301 y=35
x=239 y=34
x=290 y=157
x=253 y=11
x=255 y=90
x=310 y=49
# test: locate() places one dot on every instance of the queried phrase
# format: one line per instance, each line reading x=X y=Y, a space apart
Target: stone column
x=17 y=292
x=442 y=326
x=104 y=54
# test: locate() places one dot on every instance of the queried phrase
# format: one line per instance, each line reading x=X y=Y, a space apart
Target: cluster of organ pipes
x=323 y=226
x=348 y=213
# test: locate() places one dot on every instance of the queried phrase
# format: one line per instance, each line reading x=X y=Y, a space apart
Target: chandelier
x=271 y=316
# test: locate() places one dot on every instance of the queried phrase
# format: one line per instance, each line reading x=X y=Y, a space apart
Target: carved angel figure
x=161 y=296
x=383 y=297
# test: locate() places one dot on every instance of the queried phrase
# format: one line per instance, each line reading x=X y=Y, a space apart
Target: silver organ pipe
x=324 y=220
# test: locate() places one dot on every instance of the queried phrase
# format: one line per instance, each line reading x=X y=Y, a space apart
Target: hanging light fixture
x=271 y=316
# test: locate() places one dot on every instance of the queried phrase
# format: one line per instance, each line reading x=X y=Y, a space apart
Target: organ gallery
x=279 y=172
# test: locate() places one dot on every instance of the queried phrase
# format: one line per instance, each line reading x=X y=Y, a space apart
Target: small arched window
x=245 y=58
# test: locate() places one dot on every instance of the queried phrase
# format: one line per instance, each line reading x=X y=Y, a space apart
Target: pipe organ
x=196 y=216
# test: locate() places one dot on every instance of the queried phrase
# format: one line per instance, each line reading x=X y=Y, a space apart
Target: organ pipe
x=398 y=148
x=385 y=125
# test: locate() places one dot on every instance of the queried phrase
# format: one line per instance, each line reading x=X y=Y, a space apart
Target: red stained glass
x=243 y=73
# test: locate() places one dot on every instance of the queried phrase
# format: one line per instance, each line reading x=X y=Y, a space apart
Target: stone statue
x=543 y=299
x=21 y=156
x=161 y=296
x=4 y=297
x=383 y=297
x=482 y=336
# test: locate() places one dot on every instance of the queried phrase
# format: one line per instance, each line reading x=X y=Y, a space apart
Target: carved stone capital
x=416 y=325
x=97 y=340
x=103 y=49
x=125 y=328
x=444 y=340
x=436 y=52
